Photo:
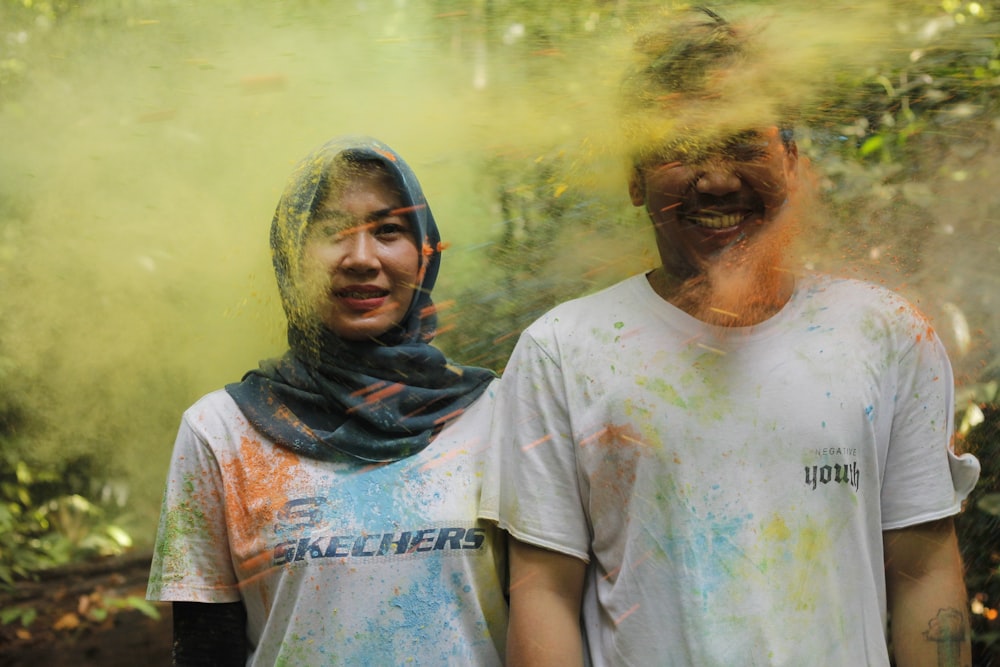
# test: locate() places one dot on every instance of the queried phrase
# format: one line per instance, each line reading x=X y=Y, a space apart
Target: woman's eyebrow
x=389 y=212
x=325 y=214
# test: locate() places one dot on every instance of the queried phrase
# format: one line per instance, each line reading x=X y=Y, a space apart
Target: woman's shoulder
x=477 y=415
x=472 y=425
x=215 y=412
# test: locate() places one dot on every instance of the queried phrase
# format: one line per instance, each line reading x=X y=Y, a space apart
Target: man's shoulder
x=592 y=307
x=852 y=293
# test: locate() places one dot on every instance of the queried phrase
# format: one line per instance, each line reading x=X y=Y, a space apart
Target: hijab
x=374 y=400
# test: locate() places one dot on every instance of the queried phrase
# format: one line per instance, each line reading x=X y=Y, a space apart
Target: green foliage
x=25 y=615
x=525 y=279
x=21 y=21
x=883 y=141
x=134 y=602
x=978 y=527
x=45 y=522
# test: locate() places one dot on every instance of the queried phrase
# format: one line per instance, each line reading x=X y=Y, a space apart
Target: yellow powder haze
x=142 y=161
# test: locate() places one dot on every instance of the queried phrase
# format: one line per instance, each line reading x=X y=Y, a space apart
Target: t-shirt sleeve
x=531 y=486
x=924 y=479
x=191 y=559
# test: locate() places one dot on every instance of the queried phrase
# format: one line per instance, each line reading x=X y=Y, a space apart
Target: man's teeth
x=717 y=221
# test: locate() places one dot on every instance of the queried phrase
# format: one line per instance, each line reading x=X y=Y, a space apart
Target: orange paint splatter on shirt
x=621 y=449
x=441 y=459
x=264 y=475
x=631 y=610
x=532 y=445
x=448 y=417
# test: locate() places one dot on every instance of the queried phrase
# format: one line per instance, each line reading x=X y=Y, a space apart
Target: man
x=723 y=462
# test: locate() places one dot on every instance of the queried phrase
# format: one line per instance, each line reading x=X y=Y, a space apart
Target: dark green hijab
x=327 y=398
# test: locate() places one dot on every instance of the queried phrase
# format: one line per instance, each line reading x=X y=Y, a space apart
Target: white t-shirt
x=336 y=562
x=727 y=486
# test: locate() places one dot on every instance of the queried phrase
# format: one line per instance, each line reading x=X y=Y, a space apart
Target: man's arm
x=927 y=597
x=546 y=588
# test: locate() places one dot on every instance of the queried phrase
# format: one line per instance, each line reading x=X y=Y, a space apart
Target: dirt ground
x=85 y=614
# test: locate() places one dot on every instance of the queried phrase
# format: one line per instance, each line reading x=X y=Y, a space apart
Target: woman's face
x=361 y=260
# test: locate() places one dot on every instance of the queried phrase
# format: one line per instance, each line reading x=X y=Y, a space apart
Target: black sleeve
x=209 y=634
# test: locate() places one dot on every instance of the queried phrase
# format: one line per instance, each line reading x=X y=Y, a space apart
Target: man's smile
x=712 y=220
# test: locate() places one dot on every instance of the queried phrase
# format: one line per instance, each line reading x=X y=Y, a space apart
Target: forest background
x=144 y=144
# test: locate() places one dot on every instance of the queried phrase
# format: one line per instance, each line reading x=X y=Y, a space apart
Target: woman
x=323 y=510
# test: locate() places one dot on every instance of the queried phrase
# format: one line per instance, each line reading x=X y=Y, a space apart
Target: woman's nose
x=361 y=251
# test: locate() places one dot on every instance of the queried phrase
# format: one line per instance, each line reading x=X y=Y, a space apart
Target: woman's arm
x=928 y=602
x=546 y=589
x=209 y=634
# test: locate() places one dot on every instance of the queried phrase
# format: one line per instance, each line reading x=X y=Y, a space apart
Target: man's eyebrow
x=746 y=135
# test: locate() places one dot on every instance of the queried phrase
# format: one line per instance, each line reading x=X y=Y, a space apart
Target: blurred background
x=144 y=144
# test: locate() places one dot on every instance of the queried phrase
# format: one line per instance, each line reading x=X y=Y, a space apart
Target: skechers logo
x=379 y=545
x=836 y=474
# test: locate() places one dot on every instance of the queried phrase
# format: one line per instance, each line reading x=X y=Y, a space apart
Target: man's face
x=709 y=201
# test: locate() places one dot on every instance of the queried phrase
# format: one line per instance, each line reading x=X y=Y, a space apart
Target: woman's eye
x=387 y=228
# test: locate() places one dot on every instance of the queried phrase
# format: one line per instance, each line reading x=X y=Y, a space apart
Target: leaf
x=119 y=536
x=68 y=621
x=871 y=145
x=144 y=606
x=10 y=614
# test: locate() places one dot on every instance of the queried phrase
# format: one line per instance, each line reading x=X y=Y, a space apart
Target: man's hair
x=679 y=78
x=678 y=56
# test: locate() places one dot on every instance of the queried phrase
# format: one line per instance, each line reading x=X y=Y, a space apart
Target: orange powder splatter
x=523 y=580
x=372 y=387
x=464 y=448
x=631 y=610
x=266 y=474
x=532 y=445
x=448 y=417
x=382 y=393
x=283 y=413
x=621 y=448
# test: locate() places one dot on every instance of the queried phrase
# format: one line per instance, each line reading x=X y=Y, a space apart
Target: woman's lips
x=362 y=298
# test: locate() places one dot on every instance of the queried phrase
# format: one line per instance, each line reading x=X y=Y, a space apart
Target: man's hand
x=546 y=588
x=927 y=596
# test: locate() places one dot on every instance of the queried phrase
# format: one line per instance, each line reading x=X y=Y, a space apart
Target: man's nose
x=717 y=180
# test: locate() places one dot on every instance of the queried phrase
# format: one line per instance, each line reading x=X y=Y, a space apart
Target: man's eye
x=747 y=147
x=747 y=152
